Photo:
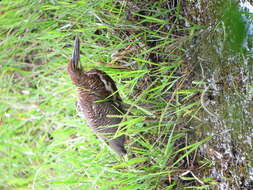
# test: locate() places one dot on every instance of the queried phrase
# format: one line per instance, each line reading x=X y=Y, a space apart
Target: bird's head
x=95 y=81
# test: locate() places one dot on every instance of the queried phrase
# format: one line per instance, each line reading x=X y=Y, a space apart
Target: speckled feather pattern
x=98 y=102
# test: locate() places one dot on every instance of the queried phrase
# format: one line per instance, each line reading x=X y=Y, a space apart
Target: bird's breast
x=99 y=113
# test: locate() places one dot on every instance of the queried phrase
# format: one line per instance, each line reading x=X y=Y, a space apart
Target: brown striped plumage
x=98 y=99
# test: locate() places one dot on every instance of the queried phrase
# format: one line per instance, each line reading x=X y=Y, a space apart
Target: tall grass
x=44 y=144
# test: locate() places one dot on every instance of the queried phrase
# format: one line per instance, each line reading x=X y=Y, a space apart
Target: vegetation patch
x=143 y=46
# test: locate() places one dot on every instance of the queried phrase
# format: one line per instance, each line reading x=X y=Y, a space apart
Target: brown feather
x=98 y=99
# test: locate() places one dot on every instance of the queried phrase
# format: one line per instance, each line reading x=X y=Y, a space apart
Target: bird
x=98 y=101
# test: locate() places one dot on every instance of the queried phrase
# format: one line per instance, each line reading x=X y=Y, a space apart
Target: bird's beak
x=76 y=53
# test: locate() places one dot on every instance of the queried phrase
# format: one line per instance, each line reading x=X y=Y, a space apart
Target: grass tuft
x=44 y=144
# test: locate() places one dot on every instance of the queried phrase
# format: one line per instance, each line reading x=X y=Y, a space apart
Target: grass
x=44 y=144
